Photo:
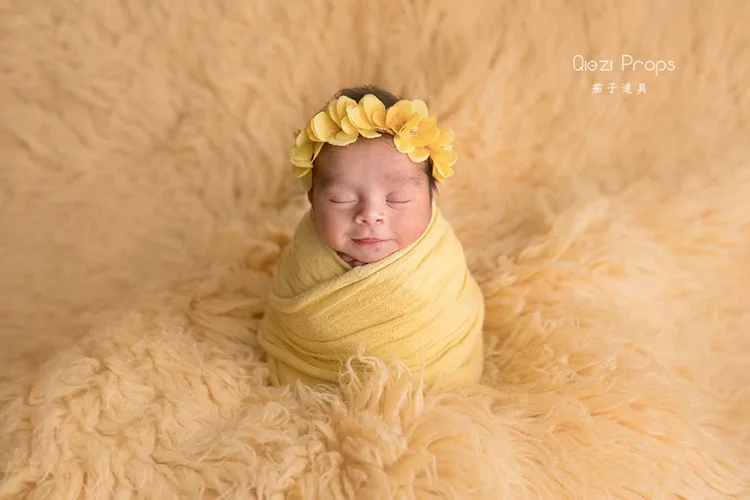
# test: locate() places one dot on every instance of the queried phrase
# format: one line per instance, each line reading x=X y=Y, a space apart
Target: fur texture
x=141 y=142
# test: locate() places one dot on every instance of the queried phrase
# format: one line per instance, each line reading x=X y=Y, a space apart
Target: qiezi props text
x=626 y=62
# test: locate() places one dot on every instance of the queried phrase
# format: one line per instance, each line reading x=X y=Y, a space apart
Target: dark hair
x=388 y=99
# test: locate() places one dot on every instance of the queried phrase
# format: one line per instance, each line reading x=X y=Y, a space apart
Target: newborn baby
x=373 y=267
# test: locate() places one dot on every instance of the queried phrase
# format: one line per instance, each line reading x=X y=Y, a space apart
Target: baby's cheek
x=413 y=228
x=330 y=228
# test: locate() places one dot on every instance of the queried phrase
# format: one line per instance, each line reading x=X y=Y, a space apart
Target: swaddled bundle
x=419 y=305
x=374 y=268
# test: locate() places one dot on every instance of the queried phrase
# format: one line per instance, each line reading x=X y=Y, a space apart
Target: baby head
x=368 y=199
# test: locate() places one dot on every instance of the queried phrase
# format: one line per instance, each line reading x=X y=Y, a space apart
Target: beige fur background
x=145 y=195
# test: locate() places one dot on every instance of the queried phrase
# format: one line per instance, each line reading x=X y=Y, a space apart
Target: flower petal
x=347 y=127
x=301 y=138
x=342 y=139
x=302 y=153
x=443 y=156
x=445 y=137
x=426 y=133
x=420 y=107
x=370 y=134
x=316 y=151
x=398 y=114
x=439 y=178
x=333 y=113
x=403 y=143
x=302 y=169
x=419 y=155
x=342 y=104
x=358 y=117
x=310 y=134
x=323 y=126
x=441 y=171
x=378 y=119
x=410 y=124
x=371 y=105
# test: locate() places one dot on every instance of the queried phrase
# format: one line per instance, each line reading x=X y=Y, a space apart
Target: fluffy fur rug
x=145 y=195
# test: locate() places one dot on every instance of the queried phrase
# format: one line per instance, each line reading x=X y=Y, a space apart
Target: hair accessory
x=414 y=132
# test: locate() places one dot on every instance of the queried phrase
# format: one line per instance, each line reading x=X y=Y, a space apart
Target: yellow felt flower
x=322 y=127
x=414 y=141
x=345 y=133
x=443 y=158
x=444 y=138
x=304 y=153
x=374 y=110
x=401 y=116
x=358 y=117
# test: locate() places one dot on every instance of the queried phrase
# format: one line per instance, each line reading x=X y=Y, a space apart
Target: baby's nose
x=370 y=214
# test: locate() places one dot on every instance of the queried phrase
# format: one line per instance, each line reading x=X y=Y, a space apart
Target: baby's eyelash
x=393 y=202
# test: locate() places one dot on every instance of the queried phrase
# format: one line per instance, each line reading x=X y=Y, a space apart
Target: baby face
x=368 y=199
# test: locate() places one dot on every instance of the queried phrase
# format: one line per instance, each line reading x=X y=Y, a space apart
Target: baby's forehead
x=328 y=174
x=341 y=165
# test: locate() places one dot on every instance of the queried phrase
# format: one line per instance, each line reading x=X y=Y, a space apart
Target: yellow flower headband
x=414 y=133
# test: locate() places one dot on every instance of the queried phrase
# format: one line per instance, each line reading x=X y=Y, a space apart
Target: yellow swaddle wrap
x=420 y=305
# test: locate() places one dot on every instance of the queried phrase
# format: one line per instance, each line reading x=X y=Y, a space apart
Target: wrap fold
x=419 y=305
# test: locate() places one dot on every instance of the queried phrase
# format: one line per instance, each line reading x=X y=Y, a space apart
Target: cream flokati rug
x=145 y=195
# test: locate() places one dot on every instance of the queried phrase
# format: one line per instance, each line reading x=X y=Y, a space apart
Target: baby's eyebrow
x=325 y=179
x=405 y=177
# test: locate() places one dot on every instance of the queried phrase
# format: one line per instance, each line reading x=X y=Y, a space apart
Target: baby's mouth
x=367 y=241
